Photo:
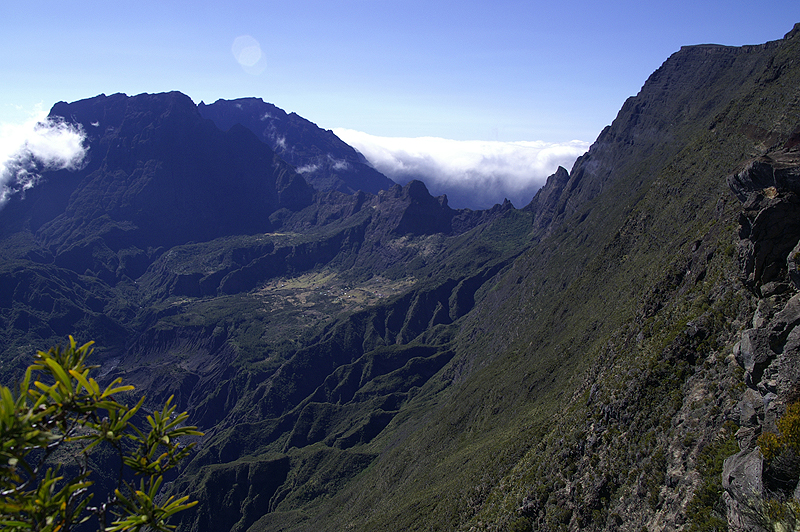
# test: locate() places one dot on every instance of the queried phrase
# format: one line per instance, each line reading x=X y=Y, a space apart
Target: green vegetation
x=560 y=367
x=788 y=440
x=779 y=509
x=50 y=425
x=706 y=510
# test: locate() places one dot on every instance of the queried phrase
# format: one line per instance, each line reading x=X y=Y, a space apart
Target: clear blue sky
x=483 y=70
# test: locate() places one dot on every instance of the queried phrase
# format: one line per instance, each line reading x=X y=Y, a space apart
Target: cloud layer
x=35 y=146
x=474 y=174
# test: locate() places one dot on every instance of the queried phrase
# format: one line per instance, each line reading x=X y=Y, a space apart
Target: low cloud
x=307 y=169
x=474 y=174
x=38 y=145
x=338 y=164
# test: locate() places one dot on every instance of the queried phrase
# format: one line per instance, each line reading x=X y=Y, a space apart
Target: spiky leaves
x=59 y=408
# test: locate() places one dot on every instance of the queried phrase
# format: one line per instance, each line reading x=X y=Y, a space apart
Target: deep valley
x=361 y=356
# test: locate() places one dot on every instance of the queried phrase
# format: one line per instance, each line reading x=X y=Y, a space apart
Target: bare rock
x=793 y=266
x=753 y=353
x=741 y=479
x=751 y=408
x=783 y=323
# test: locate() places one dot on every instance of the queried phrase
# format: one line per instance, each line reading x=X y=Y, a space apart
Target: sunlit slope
x=595 y=369
x=382 y=361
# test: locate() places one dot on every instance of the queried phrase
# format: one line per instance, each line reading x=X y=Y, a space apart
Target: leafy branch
x=59 y=405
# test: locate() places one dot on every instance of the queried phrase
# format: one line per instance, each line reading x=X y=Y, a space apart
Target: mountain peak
x=324 y=160
x=158 y=175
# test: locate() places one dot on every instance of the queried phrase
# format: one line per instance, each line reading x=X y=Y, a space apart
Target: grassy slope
x=583 y=386
x=585 y=353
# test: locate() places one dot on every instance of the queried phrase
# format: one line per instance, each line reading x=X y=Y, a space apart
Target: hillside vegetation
x=604 y=358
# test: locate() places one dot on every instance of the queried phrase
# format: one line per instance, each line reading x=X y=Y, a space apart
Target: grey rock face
x=753 y=348
x=769 y=352
x=741 y=474
x=770 y=221
x=793 y=266
x=751 y=408
x=741 y=479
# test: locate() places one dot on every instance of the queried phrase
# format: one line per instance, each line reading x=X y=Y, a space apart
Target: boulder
x=788 y=373
x=741 y=479
x=751 y=408
x=753 y=353
x=793 y=266
x=783 y=323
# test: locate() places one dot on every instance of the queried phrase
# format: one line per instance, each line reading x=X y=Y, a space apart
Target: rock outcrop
x=769 y=187
x=769 y=350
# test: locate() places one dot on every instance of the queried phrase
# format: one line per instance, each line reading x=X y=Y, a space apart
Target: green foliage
x=773 y=445
x=779 y=511
x=58 y=409
x=780 y=514
x=770 y=445
x=704 y=510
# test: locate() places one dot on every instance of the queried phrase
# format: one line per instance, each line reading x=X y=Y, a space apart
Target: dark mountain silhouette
x=158 y=175
x=604 y=358
x=324 y=160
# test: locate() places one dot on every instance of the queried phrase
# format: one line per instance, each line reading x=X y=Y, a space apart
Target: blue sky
x=499 y=70
x=469 y=70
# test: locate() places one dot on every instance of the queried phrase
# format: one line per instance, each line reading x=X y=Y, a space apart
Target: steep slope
x=604 y=377
x=173 y=175
x=374 y=362
x=594 y=385
x=323 y=159
x=157 y=174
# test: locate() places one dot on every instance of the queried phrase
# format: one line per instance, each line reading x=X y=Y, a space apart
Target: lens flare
x=247 y=52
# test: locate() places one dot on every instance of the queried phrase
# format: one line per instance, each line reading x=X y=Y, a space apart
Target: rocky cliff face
x=653 y=125
x=158 y=175
x=768 y=349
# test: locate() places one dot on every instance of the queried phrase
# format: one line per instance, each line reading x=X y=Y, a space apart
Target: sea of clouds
x=474 y=174
x=34 y=146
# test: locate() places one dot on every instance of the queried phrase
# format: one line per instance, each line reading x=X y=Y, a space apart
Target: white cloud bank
x=475 y=174
x=37 y=145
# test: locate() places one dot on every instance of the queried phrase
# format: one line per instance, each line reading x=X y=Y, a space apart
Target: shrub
x=773 y=445
x=778 y=509
x=59 y=408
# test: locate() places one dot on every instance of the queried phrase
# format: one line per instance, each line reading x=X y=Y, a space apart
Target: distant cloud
x=338 y=164
x=37 y=145
x=307 y=169
x=474 y=174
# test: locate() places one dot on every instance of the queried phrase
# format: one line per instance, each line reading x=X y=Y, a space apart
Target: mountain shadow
x=324 y=160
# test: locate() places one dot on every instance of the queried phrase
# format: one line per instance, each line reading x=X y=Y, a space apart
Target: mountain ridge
x=602 y=359
x=323 y=159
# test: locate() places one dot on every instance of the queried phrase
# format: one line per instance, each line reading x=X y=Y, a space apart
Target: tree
x=59 y=410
